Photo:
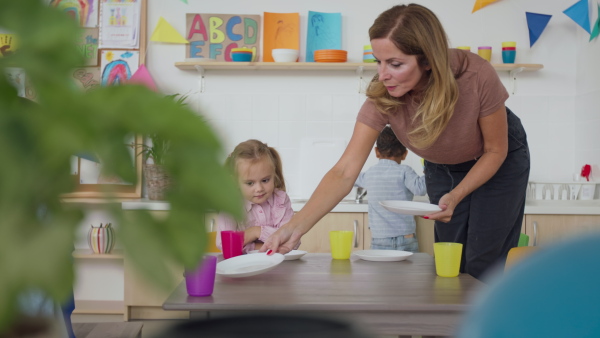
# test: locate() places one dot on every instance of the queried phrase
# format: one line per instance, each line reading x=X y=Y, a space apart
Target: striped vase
x=101 y=239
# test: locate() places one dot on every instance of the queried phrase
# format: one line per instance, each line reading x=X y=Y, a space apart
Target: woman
x=447 y=106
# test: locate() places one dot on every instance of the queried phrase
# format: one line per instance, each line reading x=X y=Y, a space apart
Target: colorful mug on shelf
x=101 y=239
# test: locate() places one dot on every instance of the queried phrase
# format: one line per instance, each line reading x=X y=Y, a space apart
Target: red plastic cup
x=232 y=243
x=201 y=282
x=509 y=48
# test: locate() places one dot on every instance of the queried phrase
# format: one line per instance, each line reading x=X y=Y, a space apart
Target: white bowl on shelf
x=285 y=55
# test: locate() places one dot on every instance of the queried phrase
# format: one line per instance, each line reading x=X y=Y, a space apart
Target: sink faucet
x=360 y=193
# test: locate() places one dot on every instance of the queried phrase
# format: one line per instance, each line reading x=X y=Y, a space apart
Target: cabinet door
x=545 y=229
x=317 y=239
x=366 y=232
x=425 y=234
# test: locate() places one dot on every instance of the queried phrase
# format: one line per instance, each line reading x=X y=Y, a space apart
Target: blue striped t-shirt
x=388 y=180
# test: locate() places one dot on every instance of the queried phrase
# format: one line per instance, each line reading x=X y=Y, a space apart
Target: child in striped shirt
x=391 y=180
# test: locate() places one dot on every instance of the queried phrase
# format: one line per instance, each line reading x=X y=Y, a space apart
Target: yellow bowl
x=509 y=44
x=241 y=49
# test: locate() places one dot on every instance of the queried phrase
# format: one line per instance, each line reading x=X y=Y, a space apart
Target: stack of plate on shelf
x=331 y=55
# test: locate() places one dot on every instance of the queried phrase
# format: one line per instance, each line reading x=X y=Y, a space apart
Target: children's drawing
x=119 y=23
x=212 y=36
x=282 y=30
x=88 y=46
x=7 y=44
x=87 y=78
x=324 y=32
x=118 y=66
x=84 y=12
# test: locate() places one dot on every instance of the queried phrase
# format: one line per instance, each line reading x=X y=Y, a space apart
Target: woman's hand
x=284 y=240
x=447 y=203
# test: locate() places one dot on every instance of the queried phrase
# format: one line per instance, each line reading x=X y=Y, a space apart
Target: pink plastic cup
x=201 y=283
x=232 y=243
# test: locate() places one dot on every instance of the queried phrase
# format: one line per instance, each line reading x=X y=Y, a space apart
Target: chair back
x=553 y=293
x=517 y=254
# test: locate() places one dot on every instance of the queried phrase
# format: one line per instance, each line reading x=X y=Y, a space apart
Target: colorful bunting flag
x=142 y=76
x=479 y=4
x=596 y=27
x=580 y=13
x=184 y=1
x=536 y=23
x=164 y=32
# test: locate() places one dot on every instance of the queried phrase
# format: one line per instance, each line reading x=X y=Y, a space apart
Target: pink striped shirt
x=269 y=216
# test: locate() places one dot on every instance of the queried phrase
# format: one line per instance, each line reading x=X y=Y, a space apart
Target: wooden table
x=392 y=298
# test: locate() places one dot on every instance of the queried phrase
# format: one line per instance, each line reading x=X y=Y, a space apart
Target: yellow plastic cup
x=447 y=258
x=464 y=48
x=509 y=44
x=485 y=52
x=212 y=242
x=341 y=244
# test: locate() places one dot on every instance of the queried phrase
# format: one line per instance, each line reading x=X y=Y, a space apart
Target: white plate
x=383 y=255
x=290 y=256
x=410 y=207
x=294 y=254
x=248 y=265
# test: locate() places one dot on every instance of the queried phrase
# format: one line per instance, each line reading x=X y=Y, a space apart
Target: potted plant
x=37 y=142
x=156 y=149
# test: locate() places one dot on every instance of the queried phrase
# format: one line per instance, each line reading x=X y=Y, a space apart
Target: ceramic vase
x=101 y=239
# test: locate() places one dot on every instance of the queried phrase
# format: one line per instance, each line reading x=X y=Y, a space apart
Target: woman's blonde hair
x=415 y=30
x=255 y=150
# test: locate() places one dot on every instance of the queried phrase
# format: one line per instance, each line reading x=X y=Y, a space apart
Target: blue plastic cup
x=508 y=56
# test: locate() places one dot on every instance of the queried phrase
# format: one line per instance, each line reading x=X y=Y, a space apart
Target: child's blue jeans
x=396 y=243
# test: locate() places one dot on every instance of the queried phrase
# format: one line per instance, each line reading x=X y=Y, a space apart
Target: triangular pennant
x=596 y=27
x=479 y=4
x=142 y=76
x=184 y=1
x=580 y=13
x=164 y=32
x=536 y=23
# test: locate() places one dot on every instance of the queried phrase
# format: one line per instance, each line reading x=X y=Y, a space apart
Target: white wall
x=283 y=107
x=586 y=148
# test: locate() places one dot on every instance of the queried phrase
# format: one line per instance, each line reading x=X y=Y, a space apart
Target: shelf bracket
x=513 y=78
x=200 y=70
x=359 y=72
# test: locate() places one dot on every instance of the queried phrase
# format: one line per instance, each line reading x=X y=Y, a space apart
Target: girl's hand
x=447 y=203
x=251 y=234
x=284 y=240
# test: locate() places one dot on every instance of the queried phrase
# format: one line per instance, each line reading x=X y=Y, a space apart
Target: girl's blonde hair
x=415 y=30
x=255 y=150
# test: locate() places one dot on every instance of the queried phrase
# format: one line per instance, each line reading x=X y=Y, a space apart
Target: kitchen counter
x=591 y=207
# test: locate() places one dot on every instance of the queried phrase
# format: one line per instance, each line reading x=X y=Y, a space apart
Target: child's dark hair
x=255 y=150
x=388 y=144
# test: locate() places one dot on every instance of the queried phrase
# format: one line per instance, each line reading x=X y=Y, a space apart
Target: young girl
x=260 y=177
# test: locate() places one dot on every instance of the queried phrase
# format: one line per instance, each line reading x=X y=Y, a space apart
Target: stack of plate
x=331 y=55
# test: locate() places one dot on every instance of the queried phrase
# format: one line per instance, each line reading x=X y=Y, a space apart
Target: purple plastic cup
x=232 y=243
x=201 y=283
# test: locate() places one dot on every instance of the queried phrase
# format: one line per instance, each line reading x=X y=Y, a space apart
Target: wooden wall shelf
x=316 y=66
x=89 y=254
x=358 y=67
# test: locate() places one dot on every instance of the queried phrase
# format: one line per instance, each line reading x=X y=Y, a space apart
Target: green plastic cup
x=341 y=244
x=447 y=258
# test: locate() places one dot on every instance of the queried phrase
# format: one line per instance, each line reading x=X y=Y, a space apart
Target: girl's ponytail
x=279 y=181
